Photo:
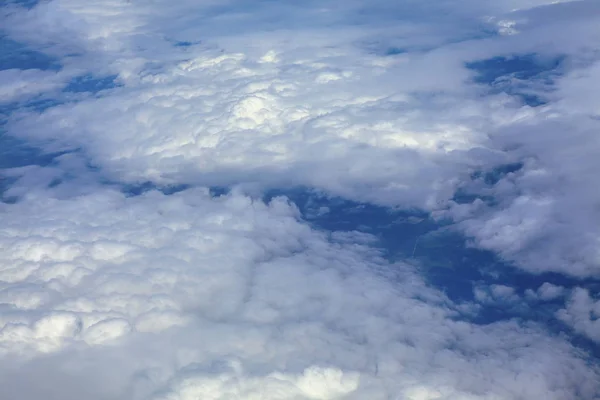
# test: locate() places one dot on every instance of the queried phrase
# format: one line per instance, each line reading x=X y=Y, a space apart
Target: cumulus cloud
x=496 y=294
x=582 y=313
x=312 y=106
x=380 y=112
x=546 y=292
x=188 y=295
x=543 y=215
x=231 y=297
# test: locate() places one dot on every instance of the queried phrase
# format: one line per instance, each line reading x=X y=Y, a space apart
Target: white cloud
x=309 y=106
x=16 y=84
x=286 y=311
x=582 y=313
x=188 y=296
x=549 y=291
x=496 y=294
x=292 y=107
x=545 y=213
x=228 y=119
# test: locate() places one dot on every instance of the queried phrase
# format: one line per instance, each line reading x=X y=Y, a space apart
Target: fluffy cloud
x=232 y=118
x=582 y=313
x=380 y=112
x=314 y=106
x=496 y=294
x=543 y=214
x=546 y=292
x=189 y=296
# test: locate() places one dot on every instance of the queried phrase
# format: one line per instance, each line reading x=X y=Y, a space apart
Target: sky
x=280 y=200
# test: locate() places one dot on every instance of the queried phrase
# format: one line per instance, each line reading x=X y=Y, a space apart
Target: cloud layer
x=482 y=115
x=190 y=296
x=375 y=104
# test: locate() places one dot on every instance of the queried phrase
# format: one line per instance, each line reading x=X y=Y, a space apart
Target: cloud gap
x=526 y=76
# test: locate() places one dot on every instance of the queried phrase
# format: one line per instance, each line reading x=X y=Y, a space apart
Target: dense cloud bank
x=190 y=296
x=481 y=114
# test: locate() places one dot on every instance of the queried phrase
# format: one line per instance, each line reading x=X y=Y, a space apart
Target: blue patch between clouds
x=525 y=76
x=495 y=175
x=15 y=153
x=404 y=235
x=442 y=254
x=88 y=83
x=444 y=257
x=183 y=44
x=393 y=51
x=526 y=66
x=24 y=3
x=38 y=105
x=482 y=181
x=141 y=188
x=14 y=55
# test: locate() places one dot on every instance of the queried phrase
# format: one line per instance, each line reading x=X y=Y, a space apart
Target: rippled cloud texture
x=125 y=275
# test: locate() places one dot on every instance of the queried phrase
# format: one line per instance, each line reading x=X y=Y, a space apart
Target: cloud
x=542 y=214
x=188 y=295
x=320 y=105
x=228 y=119
x=582 y=313
x=230 y=296
x=496 y=294
x=546 y=292
x=16 y=84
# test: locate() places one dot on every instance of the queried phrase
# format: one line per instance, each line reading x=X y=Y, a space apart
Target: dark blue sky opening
x=90 y=83
x=15 y=55
x=526 y=76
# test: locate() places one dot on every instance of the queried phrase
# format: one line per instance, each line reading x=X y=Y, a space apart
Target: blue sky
x=275 y=200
